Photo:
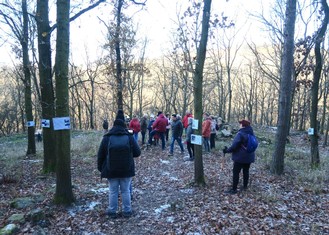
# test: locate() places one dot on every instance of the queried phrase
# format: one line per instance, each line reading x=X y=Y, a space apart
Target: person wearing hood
x=159 y=127
x=177 y=132
x=117 y=164
x=241 y=158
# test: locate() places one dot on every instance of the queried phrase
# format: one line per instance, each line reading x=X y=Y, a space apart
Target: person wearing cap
x=241 y=158
x=159 y=128
x=120 y=173
x=176 y=133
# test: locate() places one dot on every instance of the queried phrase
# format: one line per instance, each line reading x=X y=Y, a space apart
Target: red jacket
x=206 y=127
x=160 y=123
x=185 y=119
x=135 y=125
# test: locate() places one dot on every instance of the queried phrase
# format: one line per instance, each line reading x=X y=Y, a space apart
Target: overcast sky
x=87 y=33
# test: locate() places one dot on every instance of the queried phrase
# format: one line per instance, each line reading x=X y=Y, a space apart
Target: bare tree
x=285 y=89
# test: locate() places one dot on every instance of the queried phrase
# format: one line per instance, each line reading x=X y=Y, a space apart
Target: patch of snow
x=170 y=219
x=92 y=205
x=100 y=190
x=174 y=178
x=32 y=161
x=163 y=207
x=164 y=161
x=187 y=191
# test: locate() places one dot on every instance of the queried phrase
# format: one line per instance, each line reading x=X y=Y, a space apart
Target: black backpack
x=119 y=158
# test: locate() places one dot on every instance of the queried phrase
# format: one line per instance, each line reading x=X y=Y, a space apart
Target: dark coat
x=239 y=154
x=103 y=151
x=144 y=124
x=177 y=128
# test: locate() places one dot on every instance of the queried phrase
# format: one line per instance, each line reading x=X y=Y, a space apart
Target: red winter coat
x=206 y=128
x=160 y=123
x=185 y=120
x=135 y=125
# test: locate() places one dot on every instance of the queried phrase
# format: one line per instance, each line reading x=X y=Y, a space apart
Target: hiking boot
x=127 y=214
x=112 y=215
x=231 y=191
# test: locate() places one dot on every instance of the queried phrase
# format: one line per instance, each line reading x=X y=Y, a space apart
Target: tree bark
x=285 y=92
x=64 y=193
x=315 y=158
x=198 y=84
x=27 y=80
x=46 y=84
x=118 y=56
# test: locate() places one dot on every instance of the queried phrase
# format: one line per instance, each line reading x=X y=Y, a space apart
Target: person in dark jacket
x=241 y=158
x=144 y=124
x=189 y=145
x=118 y=179
x=105 y=125
x=159 y=128
x=176 y=133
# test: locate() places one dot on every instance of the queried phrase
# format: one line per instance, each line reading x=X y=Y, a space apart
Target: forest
x=279 y=83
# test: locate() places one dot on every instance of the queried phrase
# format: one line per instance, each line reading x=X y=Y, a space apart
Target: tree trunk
x=46 y=85
x=198 y=83
x=27 y=80
x=118 y=57
x=277 y=166
x=64 y=194
x=315 y=158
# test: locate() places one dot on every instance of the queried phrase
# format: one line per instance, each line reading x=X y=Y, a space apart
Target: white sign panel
x=30 y=123
x=195 y=124
x=45 y=123
x=196 y=139
x=310 y=131
x=62 y=123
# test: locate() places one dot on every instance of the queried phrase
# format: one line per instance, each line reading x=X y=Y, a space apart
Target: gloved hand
x=225 y=149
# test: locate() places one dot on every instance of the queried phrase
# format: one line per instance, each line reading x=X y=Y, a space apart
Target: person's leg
x=152 y=133
x=167 y=135
x=207 y=147
x=192 y=147
x=162 y=140
x=189 y=149
x=236 y=171
x=143 y=137
x=113 y=196
x=136 y=137
x=246 y=168
x=212 y=140
x=125 y=184
x=172 y=145
x=179 y=140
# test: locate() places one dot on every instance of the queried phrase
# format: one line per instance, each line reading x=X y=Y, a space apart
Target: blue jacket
x=239 y=154
x=103 y=151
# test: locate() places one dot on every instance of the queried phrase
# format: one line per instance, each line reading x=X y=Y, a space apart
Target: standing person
x=189 y=132
x=159 y=127
x=135 y=126
x=115 y=161
x=185 y=119
x=213 y=131
x=105 y=125
x=168 y=127
x=241 y=158
x=176 y=133
x=206 y=129
x=144 y=124
x=149 y=126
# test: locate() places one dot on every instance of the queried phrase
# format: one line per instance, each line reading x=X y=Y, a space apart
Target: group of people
x=120 y=172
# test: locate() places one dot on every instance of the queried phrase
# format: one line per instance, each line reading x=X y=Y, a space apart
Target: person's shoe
x=112 y=215
x=191 y=159
x=127 y=214
x=243 y=188
x=231 y=191
x=170 y=154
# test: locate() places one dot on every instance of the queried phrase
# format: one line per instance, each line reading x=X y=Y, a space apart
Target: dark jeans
x=167 y=134
x=236 y=171
x=162 y=136
x=212 y=140
x=190 y=149
x=143 y=137
x=206 y=144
